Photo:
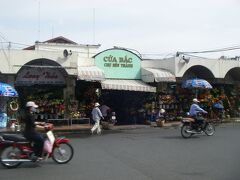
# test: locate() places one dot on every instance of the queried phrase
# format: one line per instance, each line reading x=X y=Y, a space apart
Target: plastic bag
x=47 y=147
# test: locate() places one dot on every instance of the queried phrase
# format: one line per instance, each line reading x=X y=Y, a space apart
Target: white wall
x=12 y=60
x=168 y=64
x=177 y=66
x=218 y=67
x=85 y=52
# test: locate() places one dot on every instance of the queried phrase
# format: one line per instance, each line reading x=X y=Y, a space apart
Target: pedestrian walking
x=96 y=116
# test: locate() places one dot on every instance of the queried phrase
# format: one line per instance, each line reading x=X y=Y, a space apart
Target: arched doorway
x=232 y=89
x=43 y=81
x=233 y=76
x=186 y=95
x=198 y=72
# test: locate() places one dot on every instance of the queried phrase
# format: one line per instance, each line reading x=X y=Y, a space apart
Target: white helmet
x=162 y=111
x=196 y=100
x=31 y=104
x=97 y=104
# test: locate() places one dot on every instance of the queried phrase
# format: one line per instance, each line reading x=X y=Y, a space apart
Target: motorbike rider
x=194 y=111
x=30 y=129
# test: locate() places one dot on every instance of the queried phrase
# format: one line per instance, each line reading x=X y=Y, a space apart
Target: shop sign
x=119 y=64
x=31 y=76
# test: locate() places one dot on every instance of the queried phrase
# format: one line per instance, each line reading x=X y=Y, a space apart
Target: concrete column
x=69 y=93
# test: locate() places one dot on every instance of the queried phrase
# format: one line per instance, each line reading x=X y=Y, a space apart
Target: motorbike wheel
x=184 y=131
x=62 y=153
x=209 y=129
x=10 y=153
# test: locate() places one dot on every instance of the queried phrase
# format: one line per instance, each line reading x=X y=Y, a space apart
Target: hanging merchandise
x=14 y=105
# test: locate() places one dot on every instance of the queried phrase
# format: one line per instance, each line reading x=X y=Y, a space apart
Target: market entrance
x=198 y=72
x=231 y=89
x=224 y=89
x=186 y=95
x=128 y=105
x=43 y=81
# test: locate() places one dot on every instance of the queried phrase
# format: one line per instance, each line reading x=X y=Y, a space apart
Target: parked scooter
x=16 y=149
x=190 y=127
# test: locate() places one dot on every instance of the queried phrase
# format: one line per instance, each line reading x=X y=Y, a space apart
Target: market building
x=66 y=78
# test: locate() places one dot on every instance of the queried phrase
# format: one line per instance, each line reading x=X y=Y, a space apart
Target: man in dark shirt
x=30 y=132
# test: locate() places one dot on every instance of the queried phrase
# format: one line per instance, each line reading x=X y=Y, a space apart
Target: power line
x=237 y=47
x=15 y=43
x=190 y=55
x=212 y=51
x=158 y=54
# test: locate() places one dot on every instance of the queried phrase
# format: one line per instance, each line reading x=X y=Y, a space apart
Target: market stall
x=176 y=99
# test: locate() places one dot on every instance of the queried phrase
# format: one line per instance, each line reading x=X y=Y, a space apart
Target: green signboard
x=119 y=64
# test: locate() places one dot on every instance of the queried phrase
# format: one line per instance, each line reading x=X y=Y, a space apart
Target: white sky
x=149 y=26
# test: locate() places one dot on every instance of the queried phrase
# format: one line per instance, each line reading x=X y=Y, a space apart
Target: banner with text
x=119 y=64
x=39 y=76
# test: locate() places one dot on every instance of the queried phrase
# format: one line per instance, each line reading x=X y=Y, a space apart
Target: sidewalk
x=85 y=128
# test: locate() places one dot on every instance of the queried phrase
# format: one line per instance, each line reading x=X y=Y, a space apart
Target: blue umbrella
x=196 y=83
x=7 y=90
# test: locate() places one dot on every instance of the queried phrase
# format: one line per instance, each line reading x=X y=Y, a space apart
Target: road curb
x=63 y=132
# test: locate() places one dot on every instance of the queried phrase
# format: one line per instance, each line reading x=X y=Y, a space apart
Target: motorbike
x=16 y=149
x=189 y=127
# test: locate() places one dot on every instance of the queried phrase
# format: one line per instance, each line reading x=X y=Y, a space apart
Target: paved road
x=143 y=154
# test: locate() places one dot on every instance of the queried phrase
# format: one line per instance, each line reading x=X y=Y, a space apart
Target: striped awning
x=90 y=73
x=157 y=75
x=127 y=85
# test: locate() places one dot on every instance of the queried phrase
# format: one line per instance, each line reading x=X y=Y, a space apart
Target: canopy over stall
x=90 y=73
x=157 y=75
x=128 y=85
